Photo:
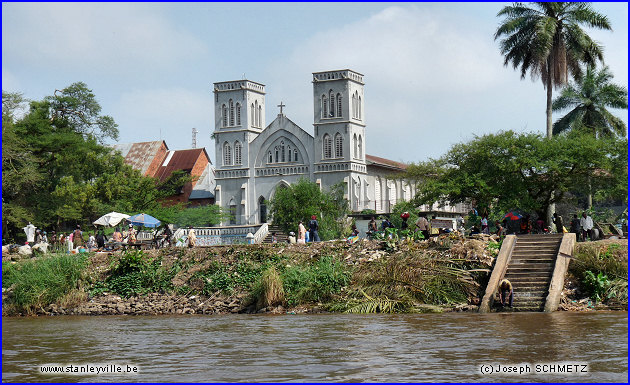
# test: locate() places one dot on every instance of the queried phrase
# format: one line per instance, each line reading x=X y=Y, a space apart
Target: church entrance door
x=262 y=208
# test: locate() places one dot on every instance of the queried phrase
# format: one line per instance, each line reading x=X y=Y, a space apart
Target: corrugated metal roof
x=377 y=161
x=200 y=194
x=180 y=160
x=140 y=155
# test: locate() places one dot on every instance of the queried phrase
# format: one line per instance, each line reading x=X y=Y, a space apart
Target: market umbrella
x=513 y=215
x=111 y=219
x=143 y=219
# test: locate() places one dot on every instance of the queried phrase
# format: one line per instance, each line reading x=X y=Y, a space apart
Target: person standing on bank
x=192 y=238
x=301 y=233
x=586 y=222
x=77 y=237
x=575 y=227
x=557 y=220
x=313 y=228
x=422 y=225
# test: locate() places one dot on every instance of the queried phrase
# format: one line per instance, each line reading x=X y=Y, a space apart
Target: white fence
x=225 y=235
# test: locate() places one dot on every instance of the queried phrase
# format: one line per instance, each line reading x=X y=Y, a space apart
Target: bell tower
x=239 y=116
x=339 y=121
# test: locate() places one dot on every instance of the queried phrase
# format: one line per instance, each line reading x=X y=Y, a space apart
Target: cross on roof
x=281 y=105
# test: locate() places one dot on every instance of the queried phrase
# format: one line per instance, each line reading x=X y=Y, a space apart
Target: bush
x=316 y=282
x=38 y=283
x=601 y=270
x=135 y=274
x=269 y=291
x=227 y=278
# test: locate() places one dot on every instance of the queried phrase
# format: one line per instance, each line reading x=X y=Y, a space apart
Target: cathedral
x=254 y=159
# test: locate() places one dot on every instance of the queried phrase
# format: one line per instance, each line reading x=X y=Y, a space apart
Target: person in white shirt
x=586 y=222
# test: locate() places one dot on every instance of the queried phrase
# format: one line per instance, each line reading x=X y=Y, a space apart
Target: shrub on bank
x=134 y=273
x=601 y=270
x=39 y=282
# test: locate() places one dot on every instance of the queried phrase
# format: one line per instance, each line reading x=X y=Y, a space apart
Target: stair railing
x=565 y=253
x=498 y=272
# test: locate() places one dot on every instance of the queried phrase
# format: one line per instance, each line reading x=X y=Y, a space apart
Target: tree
x=508 y=170
x=589 y=100
x=547 y=40
x=77 y=107
x=300 y=201
x=55 y=170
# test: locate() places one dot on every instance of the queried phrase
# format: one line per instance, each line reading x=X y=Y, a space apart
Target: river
x=448 y=347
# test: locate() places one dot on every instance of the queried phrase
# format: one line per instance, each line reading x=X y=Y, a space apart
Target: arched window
x=270 y=157
x=359 y=109
x=259 y=116
x=290 y=154
x=327 y=147
x=338 y=146
x=339 y=114
x=295 y=156
x=377 y=195
x=282 y=152
x=225 y=115
x=227 y=154
x=238 y=114
x=252 y=120
x=360 y=147
x=332 y=104
x=237 y=152
x=354 y=105
x=356 y=146
x=256 y=121
x=324 y=106
x=277 y=153
x=231 y=103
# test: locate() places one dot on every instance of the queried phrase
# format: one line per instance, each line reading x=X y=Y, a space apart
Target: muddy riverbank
x=438 y=275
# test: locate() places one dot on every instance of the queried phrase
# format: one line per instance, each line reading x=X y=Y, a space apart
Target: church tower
x=239 y=117
x=339 y=125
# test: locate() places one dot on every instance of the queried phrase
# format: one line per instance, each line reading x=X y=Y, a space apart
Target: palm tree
x=547 y=41
x=589 y=99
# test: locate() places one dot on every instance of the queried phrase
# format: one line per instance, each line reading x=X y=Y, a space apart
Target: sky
x=433 y=72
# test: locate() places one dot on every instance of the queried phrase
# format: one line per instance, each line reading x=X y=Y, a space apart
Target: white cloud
x=108 y=38
x=433 y=78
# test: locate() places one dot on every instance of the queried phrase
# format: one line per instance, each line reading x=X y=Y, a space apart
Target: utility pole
x=194 y=137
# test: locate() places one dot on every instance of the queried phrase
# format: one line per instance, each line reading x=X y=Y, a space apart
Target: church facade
x=253 y=159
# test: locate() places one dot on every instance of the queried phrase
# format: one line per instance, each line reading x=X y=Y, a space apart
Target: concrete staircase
x=280 y=235
x=530 y=269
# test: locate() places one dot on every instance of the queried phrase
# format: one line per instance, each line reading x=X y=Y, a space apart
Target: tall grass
x=40 y=282
x=420 y=276
x=269 y=290
x=602 y=271
x=314 y=282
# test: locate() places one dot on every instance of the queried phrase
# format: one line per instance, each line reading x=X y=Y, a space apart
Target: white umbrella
x=111 y=219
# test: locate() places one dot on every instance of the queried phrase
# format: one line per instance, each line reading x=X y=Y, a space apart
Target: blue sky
x=433 y=72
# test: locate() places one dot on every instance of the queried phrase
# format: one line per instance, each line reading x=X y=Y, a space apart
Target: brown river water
x=448 y=347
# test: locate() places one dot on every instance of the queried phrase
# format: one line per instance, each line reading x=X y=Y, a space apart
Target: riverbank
x=442 y=274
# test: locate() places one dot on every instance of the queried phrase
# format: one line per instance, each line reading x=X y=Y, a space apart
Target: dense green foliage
x=546 y=39
x=602 y=271
x=314 y=282
x=57 y=173
x=300 y=201
x=589 y=99
x=509 y=170
x=39 y=282
x=202 y=216
x=133 y=273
